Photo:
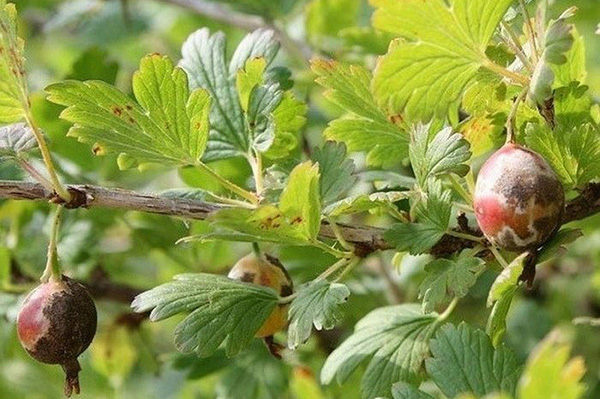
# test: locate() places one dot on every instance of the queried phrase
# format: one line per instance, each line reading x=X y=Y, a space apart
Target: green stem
x=33 y=172
x=256 y=250
x=392 y=210
x=499 y=257
x=332 y=269
x=52 y=270
x=56 y=184
x=500 y=70
x=353 y=262
x=339 y=236
x=515 y=45
x=470 y=179
x=331 y=250
x=257 y=171
x=512 y=117
x=231 y=201
x=234 y=188
x=469 y=237
x=463 y=207
x=461 y=190
x=530 y=32
x=287 y=299
x=448 y=311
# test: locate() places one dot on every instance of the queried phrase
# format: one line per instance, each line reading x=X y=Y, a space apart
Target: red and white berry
x=519 y=200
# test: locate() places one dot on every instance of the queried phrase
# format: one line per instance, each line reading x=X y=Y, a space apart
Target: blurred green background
x=131 y=358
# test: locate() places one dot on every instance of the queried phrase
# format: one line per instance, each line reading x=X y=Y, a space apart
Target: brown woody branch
x=366 y=239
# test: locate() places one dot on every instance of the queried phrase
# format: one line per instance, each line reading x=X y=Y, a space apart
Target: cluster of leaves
x=404 y=116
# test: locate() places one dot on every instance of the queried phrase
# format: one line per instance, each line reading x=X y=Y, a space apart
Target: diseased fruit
x=269 y=272
x=56 y=323
x=519 y=200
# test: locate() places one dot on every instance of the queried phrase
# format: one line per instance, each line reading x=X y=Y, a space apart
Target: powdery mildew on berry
x=518 y=199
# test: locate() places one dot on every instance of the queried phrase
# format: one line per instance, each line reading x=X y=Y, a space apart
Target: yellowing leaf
x=550 y=374
x=13 y=86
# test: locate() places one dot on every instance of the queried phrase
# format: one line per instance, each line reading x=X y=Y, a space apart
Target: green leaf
x=574 y=69
x=550 y=374
x=296 y=221
x=557 y=244
x=557 y=41
x=15 y=139
x=433 y=219
x=300 y=200
x=507 y=279
x=572 y=153
x=437 y=207
x=254 y=374
x=205 y=62
x=365 y=202
x=13 y=84
x=501 y=295
x=366 y=39
x=117 y=339
x=289 y=117
x=426 y=74
x=266 y=223
x=316 y=303
x=220 y=310
x=447 y=279
x=337 y=172
x=403 y=390
x=416 y=238
x=94 y=64
x=251 y=76
x=465 y=361
x=442 y=154
x=367 y=128
x=395 y=340
x=167 y=125
x=328 y=17
x=384 y=143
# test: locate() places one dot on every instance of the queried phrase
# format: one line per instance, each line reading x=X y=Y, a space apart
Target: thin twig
x=365 y=239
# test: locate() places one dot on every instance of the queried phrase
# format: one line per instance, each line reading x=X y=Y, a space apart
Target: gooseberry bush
x=385 y=199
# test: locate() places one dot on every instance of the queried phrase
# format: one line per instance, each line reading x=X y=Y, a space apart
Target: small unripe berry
x=519 y=200
x=268 y=272
x=56 y=323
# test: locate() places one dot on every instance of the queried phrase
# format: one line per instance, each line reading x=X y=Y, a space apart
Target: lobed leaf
x=168 y=125
x=13 y=84
x=317 y=303
x=572 y=153
x=464 y=361
x=444 y=153
x=395 y=341
x=550 y=374
x=500 y=297
x=426 y=74
x=15 y=139
x=367 y=128
x=403 y=390
x=447 y=279
x=221 y=311
x=365 y=202
x=233 y=132
x=337 y=172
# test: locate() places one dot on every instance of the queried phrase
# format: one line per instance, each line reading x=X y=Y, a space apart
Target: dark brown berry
x=56 y=323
